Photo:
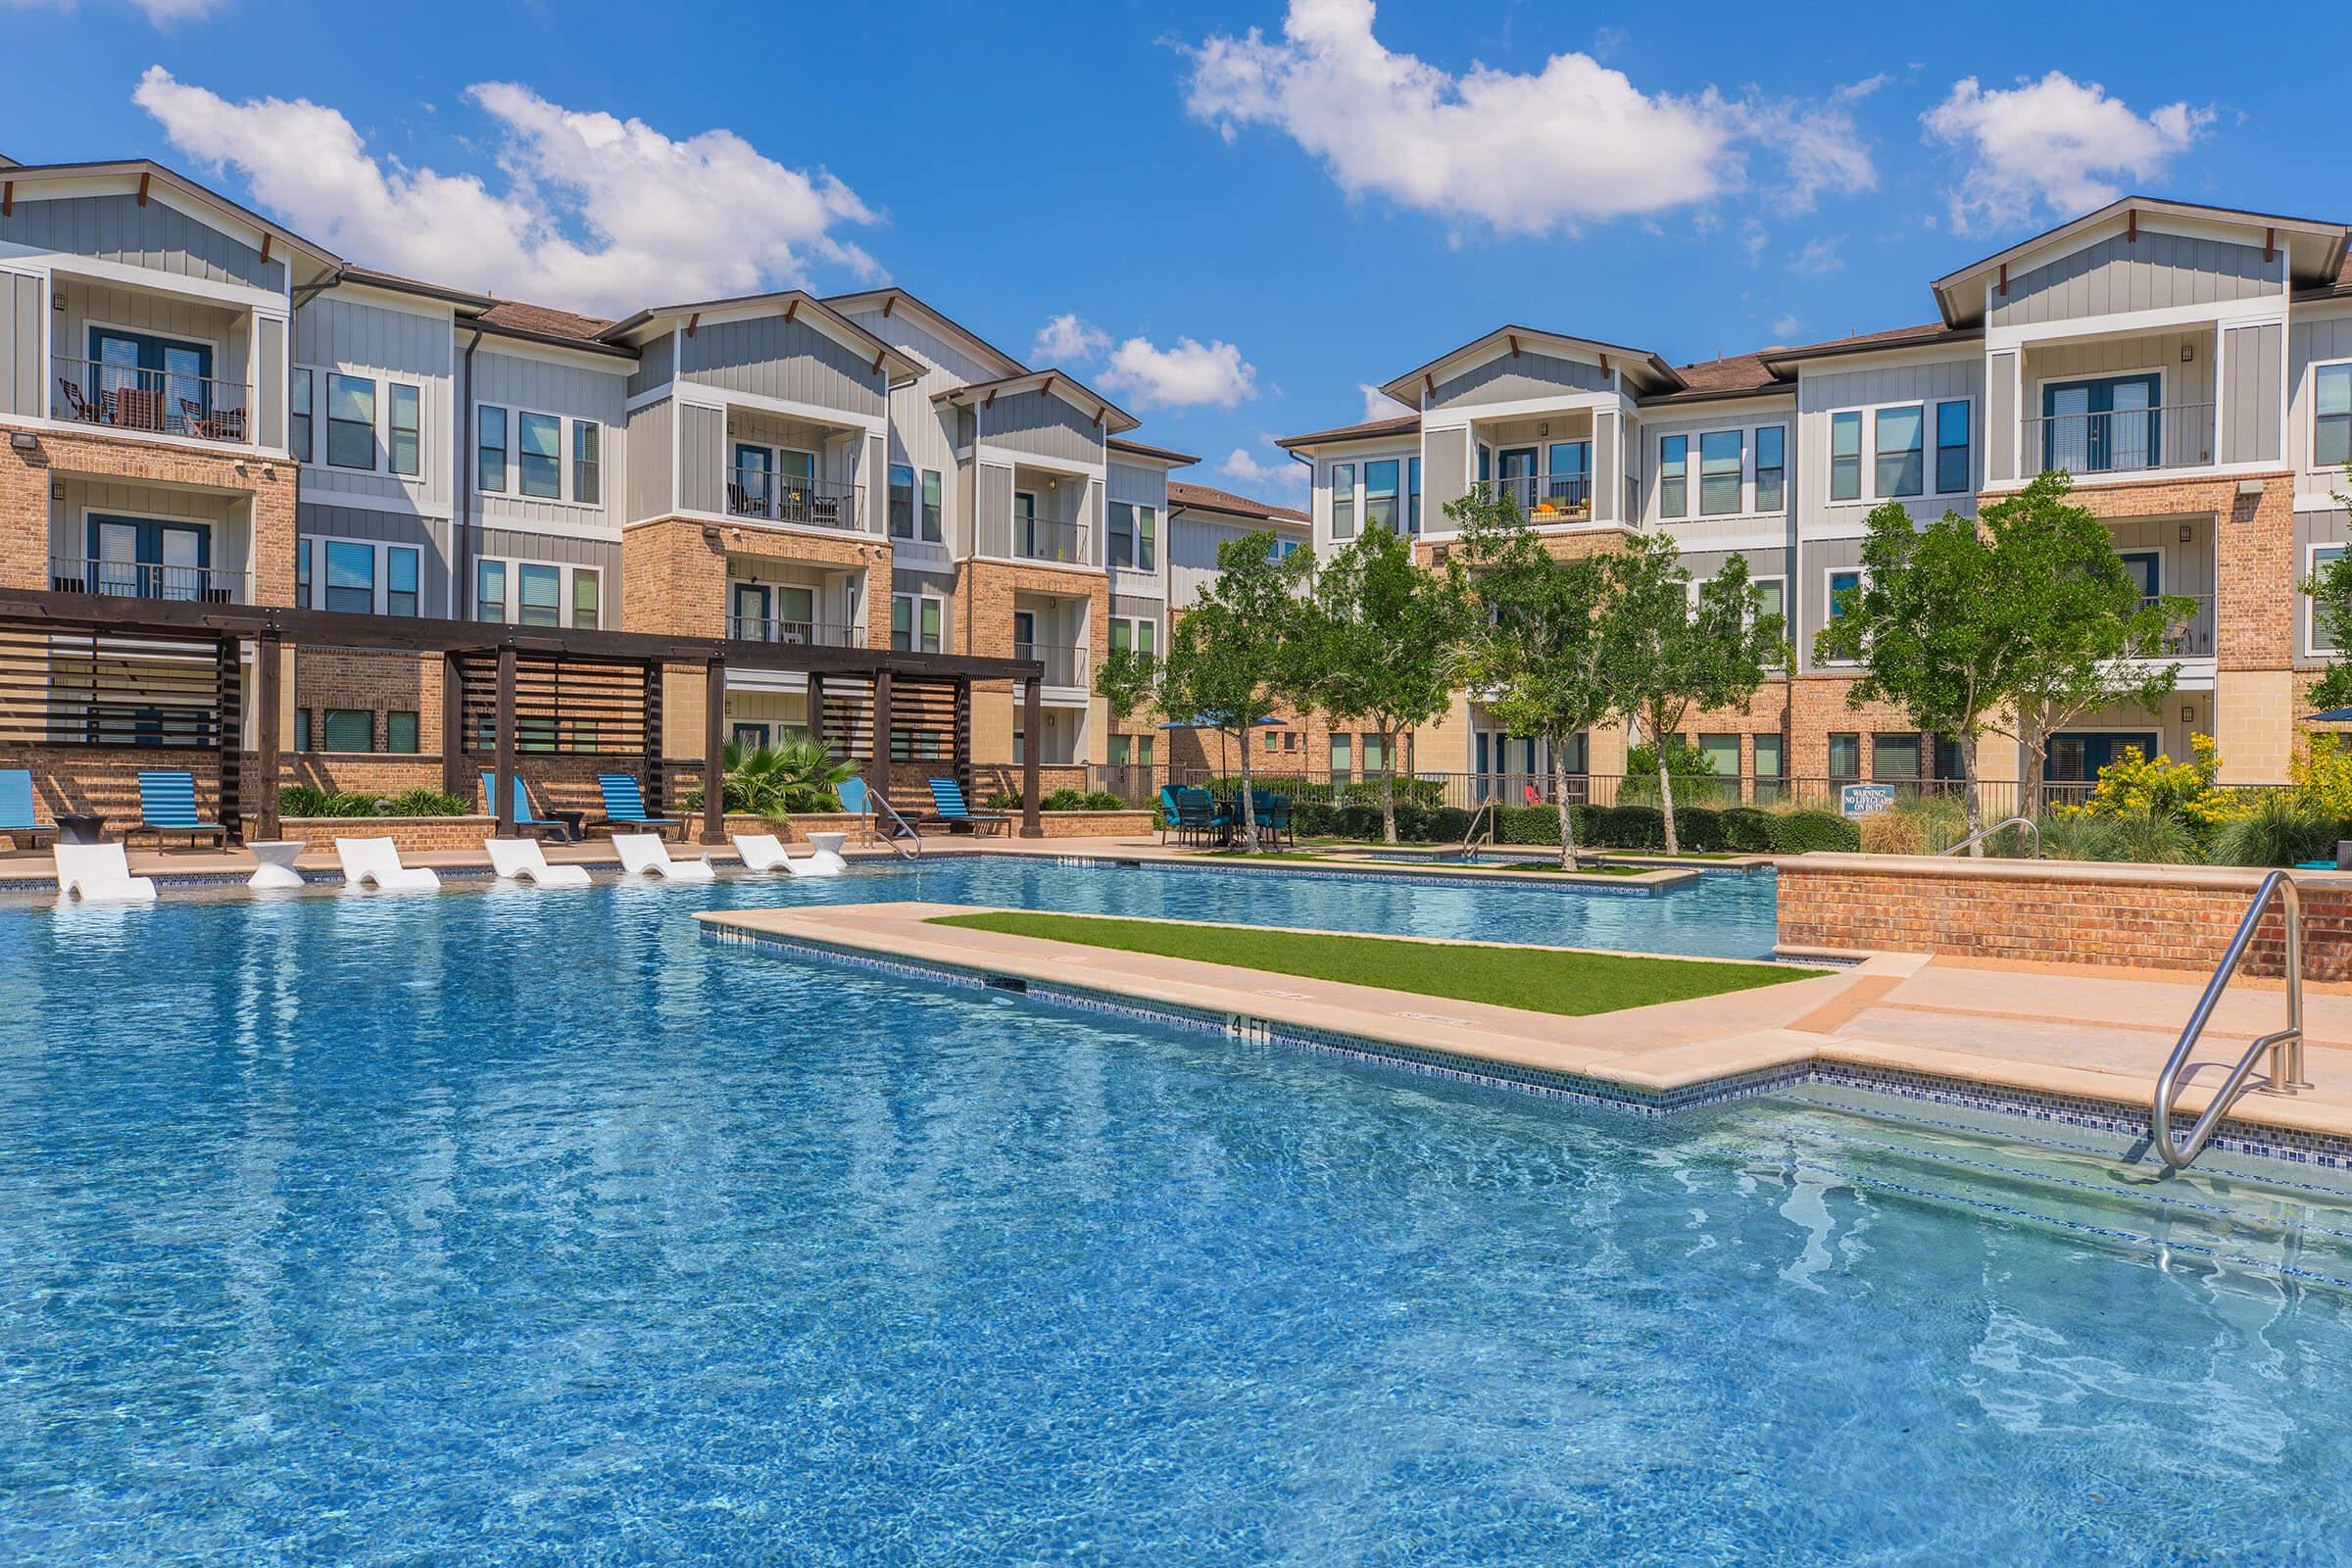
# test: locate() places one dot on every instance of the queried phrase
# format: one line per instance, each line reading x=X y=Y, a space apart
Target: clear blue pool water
x=519 y=1228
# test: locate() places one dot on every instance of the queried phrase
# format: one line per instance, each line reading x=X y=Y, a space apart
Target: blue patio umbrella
x=2333 y=716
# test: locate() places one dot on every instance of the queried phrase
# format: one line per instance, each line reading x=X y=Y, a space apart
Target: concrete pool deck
x=2040 y=1031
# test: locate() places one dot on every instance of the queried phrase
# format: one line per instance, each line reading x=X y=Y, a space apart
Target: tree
x=1240 y=652
x=1666 y=652
x=2021 y=619
x=2330 y=591
x=798 y=775
x=1531 y=638
x=1382 y=632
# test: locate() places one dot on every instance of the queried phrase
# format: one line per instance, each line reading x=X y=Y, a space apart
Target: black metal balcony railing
x=144 y=579
x=2190 y=636
x=769 y=629
x=1547 y=498
x=1064 y=666
x=788 y=498
x=2123 y=440
x=125 y=397
x=1042 y=539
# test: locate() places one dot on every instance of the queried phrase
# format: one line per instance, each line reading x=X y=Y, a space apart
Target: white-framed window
x=350 y=421
x=934 y=517
x=538 y=593
x=1899 y=440
x=358 y=576
x=525 y=453
x=2331 y=414
x=1772 y=467
x=1139 y=632
x=1952 y=423
x=587 y=461
x=298 y=418
x=917 y=623
x=1911 y=450
x=1721 y=464
x=1845 y=455
x=405 y=435
x=1674 y=476
x=1134 y=537
x=1836 y=581
x=2314 y=557
x=490 y=449
x=1343 y=500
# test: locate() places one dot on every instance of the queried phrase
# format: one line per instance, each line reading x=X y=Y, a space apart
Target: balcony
x=767 y=496
x=2122 y=440
x=813 y=633
x=136 y=401
x=145 y=579
x=1042 y=539
x=1064 y=666
x=2191 y=636
x=1547 y=499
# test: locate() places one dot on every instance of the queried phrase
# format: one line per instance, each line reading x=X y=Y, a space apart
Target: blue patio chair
x=16 y=804
x=1170 y=817
x=948 y=806
x=527 y=818
x=1273 y=813
x=625 y=807
x=1199 y=819
x=167 y=805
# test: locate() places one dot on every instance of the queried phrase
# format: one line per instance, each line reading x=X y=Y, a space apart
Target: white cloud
x=1525 y=154
x=1378 y=405
x=1181 y=377
x=595 y=212
x=1282 y=471
x=1819 y=254
x=1786 y=329
x=2056 y=145
x=162 y=12
x=1067 y=340
x=1818 y=144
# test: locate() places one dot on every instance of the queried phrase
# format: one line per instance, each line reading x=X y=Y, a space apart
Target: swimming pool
x=528 y=1229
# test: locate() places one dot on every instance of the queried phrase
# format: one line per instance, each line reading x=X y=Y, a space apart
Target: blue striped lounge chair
x=948 y=807
x=167 y=805
x=527 y=818
x=15 y=804
x=624 y=808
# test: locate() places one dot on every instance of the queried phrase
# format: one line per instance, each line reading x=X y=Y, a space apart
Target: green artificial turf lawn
x=1536 y=979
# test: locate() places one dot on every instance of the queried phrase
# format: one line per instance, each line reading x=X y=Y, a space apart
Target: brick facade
x=980 y=623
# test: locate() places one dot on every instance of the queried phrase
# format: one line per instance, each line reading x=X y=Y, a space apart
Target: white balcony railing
x=1064 y=666
x=814 y=633
x=1042 y=539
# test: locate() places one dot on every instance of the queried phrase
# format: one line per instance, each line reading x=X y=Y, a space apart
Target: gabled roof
x=1735 y=375
x=1642 y=362
x=2317 y=268
x=1927 y=335
x=1205 y=498
x=148 y=169
x=895 y=298
x=793 y=302
x=1404 y=424
x=378 y=277
x=1057 y=383
x=1155 y=454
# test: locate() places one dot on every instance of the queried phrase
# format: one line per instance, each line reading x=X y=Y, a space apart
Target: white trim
x=1567 y=402
x=567 y=572
x=1010 y=457
x=2311 y=429
x=915 y=619
x=2260 y=310
x=314 y=545
x=381 y=298
x=701 y=395
x=2310 y=647
x=566 y=486
x=242 y=295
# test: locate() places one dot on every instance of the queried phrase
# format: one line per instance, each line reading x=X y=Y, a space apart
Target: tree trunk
x=1248 y=803
x=2029 y=788
x=1975 y=807
x=1666 y=801
x=1559 y=795
x=1388 y=787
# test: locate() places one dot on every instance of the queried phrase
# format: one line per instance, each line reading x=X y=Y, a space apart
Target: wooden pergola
x=498 y=676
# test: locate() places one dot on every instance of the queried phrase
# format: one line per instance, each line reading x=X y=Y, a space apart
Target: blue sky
x=1243 y=232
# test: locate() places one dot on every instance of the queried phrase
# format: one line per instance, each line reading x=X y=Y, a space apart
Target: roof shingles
x=1210 y=498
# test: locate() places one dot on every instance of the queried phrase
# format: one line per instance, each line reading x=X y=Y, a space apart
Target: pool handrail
x=2285 y=1046
x=1485 y=810
x=1981 y=834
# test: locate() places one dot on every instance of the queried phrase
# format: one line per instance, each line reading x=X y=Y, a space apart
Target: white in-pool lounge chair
x=521 y=859
x=644 y=855
x=765 y=851
x=375 y=862
x=99 y=873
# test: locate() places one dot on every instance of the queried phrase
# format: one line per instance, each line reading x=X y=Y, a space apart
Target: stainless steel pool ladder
x=1981 y=834
x=2285 y=1046
x=900 y=834
x=1472 y=839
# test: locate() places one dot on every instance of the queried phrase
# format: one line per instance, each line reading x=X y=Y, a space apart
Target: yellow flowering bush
x=2135 y=785
x=2322 y=776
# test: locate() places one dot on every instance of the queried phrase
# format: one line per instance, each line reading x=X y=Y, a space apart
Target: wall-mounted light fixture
x=2187 y=532
x=2188 y=715
x=2188 y=352
x=710 y=536
x=24 y=441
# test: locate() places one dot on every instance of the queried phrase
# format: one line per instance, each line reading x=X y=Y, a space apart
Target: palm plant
x=775 y=781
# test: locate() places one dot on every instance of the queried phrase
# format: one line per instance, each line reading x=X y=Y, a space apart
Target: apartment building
x=202 y=404
x=2190 y=368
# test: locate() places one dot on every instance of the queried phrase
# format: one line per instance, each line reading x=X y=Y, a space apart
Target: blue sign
x=1865 y=800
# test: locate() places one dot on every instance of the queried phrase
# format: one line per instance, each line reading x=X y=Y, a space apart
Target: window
x=1375 y=759
x=1951 y=448
x=1771 y=468
x=1894 y=758
x=1900 y=433
x=400 y=580
x=490 y=590
x=1271 y=740
x=1119 y=754
x=2322 y=638
x=1412 y=495
x=587 y=445
x=1343 y=500
x=901 y=501
x=1845 y=456
x=350 y=422
x=400 y=732
x=1147 y=538
x=1842 y=585
x=587 y=594
x=1379 y=494
x=298 y=429
x=1674 y=476
x=1722 y=752
x=539 y=594
x=931 y=512
x=1768 y=757
x=407 y=430
x=1720 y=454
x=540 y=472
x=1846 y=757
x=915 y=623
x=1139 y=634
x=2331 y=416
x=350 y=583
x=1343 y=757
x=1948 y=764
x=350 y=729
x=1122 y=534
x=1771 y=597
x=302 y=575
x=302 y=729
x=490 y=450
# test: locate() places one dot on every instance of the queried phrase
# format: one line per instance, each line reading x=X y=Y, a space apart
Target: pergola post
x=267 y=652
x=715 y=730
x=504 y=807
x=877 y=765
x=453 y=729
x=228 y=733
x=816 y=707
x=1031 y=717
x=657 y=760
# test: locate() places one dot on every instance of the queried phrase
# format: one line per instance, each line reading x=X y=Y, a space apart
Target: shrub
x=2077 y=835
x=2322 y=776
x=2280 y=829
x=422 y=801
x=1698 y=829
x=2154 y=838
x=305 y=800
x=1894 y=833
x=1747 y=830
x=1428 y=793
x=1942 y=821
x=2159 y=786
x=1533 y=825
x=1629 y=827
x=1696 y=781
x=1802 y=831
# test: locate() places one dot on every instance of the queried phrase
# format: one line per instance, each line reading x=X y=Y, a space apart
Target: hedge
x=1796 y=832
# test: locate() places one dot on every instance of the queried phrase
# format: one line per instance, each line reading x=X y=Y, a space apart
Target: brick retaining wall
x=2164 y=917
